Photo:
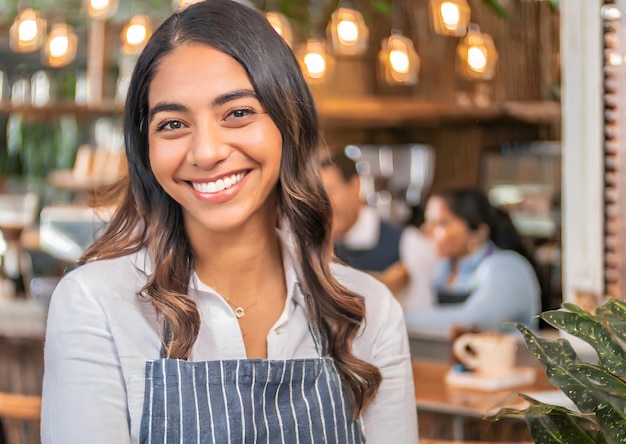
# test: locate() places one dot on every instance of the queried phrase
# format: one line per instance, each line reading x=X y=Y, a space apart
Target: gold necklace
x=239 y=311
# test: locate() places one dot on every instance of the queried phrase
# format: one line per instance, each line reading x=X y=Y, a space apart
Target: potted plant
x=597 y=390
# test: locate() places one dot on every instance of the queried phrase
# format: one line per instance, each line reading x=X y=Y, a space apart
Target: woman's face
x=212 y=146
x=450 y=234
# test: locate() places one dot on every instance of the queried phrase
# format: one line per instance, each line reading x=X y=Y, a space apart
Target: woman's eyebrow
x=233 y=95
x=165 y=106
x=219 y=100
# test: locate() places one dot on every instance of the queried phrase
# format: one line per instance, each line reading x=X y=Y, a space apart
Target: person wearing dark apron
x=485 y=278
x=211 y=309
x=248 y=400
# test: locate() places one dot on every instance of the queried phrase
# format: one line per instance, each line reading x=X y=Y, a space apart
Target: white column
x=582 y=147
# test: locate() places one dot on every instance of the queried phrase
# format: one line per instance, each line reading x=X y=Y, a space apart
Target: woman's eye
x=171 y=125
x=239 y=113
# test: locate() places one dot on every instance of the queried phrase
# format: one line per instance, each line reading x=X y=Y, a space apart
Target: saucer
x=518 y=377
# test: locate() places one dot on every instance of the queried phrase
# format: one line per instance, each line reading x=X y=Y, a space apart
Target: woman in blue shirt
x=484 y=277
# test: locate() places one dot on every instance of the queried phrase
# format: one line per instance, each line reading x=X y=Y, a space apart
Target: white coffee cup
x=489 y=354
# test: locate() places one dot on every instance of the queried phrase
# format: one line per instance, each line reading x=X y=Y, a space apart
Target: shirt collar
x=143 y=262
x=365 y=233
x=472 y=261
x=466 y=267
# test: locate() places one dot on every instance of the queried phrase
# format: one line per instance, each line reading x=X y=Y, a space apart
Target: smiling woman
x=226 y=320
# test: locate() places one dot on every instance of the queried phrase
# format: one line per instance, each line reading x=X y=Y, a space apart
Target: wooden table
x=446 y=412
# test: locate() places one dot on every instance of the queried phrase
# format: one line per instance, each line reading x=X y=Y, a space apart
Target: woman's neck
x=238 y=263
x=455 y=262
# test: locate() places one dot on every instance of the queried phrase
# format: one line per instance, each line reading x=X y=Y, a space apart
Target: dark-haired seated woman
x=484 y=277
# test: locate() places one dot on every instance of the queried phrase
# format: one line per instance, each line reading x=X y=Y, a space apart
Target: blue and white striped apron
x=248 y=400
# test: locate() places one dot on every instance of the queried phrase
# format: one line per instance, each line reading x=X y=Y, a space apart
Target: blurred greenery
x=34 y=148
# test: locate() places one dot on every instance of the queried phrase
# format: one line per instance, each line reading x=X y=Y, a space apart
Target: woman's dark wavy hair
x=148 y=218
x=473 y=207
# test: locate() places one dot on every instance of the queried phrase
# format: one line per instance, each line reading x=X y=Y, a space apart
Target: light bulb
x=99 y=5
x=60 y=50
x=476 y=59
x=450 y=15
x=135 y=34
x=58 y=45
x=27 y=33
x=102 y=9
x=348 y=31
x=315 y=65
x=27 y=30
x=399 y=61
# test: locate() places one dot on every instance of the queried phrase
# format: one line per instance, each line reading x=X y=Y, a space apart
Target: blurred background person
x=399 y=256
x=485 y=276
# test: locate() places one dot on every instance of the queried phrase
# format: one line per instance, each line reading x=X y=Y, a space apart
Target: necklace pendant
x=239 y=312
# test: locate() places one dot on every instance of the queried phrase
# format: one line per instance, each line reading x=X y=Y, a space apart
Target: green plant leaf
x=583 y=325
x=557 y=353
x=568 y=373
x=612 y=314
x=603 y=380
x=550 y=424
x=609 y=404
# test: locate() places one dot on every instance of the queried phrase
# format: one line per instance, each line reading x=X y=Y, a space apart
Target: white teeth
x=219 y=184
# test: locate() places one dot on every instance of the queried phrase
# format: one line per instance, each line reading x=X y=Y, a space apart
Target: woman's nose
x=208 y=147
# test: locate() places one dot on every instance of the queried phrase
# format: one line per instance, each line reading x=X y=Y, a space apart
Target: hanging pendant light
x=60 y=49
x=314 y=60
x=347 y=32
x=398 y=62
x=179 y=5
x=281 y=25
x=136 y=34
x=450 y=17
x=476 y=55
x=28 y=31
x=101 y=9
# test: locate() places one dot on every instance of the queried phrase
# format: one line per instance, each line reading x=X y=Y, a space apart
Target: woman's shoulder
x=104 y=277
x=105 y=269
x=507 y=257
x=378 y=298
x=357 y=281
x=507 y=262
x=384 y=329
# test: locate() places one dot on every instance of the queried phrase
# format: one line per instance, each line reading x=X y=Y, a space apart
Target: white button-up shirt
x=100 y=335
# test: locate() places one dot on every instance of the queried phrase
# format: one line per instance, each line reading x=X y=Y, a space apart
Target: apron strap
x=167 y=335
x=321 y=344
